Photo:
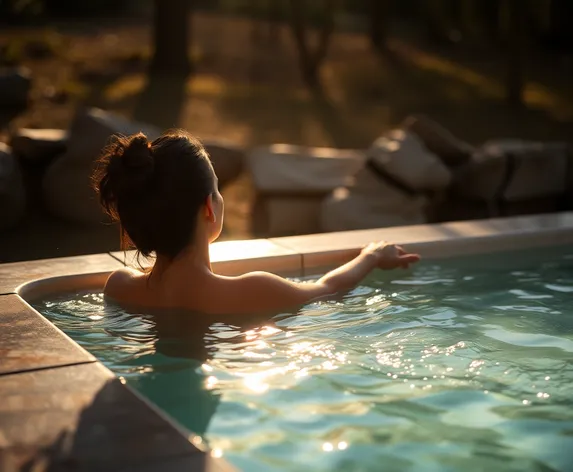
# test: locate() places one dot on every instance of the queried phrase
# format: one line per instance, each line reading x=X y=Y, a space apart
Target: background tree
x=470 y=22
x=438 y=16
x=310 y=59
x=171 y=36
x=266 y=19
x=379 y=22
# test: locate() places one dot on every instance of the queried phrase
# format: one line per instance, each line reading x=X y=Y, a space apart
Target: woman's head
x=163 y=193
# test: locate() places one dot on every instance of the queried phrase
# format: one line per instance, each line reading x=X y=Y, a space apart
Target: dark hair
x=155 y=189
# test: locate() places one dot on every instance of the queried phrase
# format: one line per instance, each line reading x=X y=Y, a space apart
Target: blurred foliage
x=277 y=10
x=21 y=9
x=444 y=21
x=39 y=44
x=30 y=10
x=85 y=7
x=487 y=21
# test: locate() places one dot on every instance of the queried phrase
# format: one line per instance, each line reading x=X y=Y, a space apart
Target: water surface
x=458 y=365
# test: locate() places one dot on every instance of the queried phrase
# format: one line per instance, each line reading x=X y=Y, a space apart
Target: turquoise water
x=458 y=365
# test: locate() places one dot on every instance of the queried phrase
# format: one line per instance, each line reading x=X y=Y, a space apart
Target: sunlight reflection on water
x=434 y=370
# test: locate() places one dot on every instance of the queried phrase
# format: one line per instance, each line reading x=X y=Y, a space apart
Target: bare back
x=195 y=287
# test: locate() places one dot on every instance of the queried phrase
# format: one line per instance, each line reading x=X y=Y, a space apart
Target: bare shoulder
x=259 y=292
x=120 y=282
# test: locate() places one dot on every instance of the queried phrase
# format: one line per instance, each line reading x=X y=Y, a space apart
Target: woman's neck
x=194 y=257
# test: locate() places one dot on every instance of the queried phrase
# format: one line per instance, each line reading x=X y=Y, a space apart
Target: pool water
x=465 y=364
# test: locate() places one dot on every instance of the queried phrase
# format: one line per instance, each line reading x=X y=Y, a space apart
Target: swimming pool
x=459 y=364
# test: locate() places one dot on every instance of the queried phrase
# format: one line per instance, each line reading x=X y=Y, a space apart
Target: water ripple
x=462 y=365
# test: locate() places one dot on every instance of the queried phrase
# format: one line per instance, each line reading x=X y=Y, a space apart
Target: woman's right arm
x=265 y=292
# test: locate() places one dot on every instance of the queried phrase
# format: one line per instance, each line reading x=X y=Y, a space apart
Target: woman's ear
x=210 y=210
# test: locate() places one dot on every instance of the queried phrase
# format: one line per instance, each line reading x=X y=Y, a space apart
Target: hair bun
x=129 y=165
x=137 y=153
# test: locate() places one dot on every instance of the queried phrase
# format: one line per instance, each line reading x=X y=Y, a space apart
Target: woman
x=164 y=195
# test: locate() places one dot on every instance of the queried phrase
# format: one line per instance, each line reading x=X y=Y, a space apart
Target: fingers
x=401 y=250
x=405 y=260
x=409 y=258
x=389 y=251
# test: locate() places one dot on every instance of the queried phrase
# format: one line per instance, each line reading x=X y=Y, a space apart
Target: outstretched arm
x=264 y=292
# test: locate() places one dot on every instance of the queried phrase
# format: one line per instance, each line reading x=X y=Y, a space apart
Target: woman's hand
x=389 y=256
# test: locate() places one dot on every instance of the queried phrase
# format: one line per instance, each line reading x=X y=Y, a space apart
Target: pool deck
x=62 y=410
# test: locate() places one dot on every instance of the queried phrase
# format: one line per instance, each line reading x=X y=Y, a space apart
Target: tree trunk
x=470 y=21
x=171 y=27
x=274 y=18
x=489 y=14
x=515 y=50
x=309 y=59
x=437 y=16
x=380 y=15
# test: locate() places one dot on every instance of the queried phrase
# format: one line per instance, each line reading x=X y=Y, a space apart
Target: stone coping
x=61 y=408
x=324 y=251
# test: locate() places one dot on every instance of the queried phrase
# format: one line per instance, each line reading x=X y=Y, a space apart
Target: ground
x=249 y=91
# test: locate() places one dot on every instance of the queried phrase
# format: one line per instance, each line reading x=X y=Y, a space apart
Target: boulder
x=404 y=157
x=228 y=160
x=515 y=170
x=370 y=203
x=451 y=150
x=12 y=191
x=38 y=146
x=15 y=84
x=393 y=188
x=292 y=181
x=67 y=185
x=296 y=170
x=344 y=211
x=92 y=129
x=510 y=177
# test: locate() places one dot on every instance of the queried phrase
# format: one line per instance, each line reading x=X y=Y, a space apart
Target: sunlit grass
x=75 y=89
x=124 y=87
x=18 y=47
x=447 y=68
x=205 y=86
x=208 y=85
